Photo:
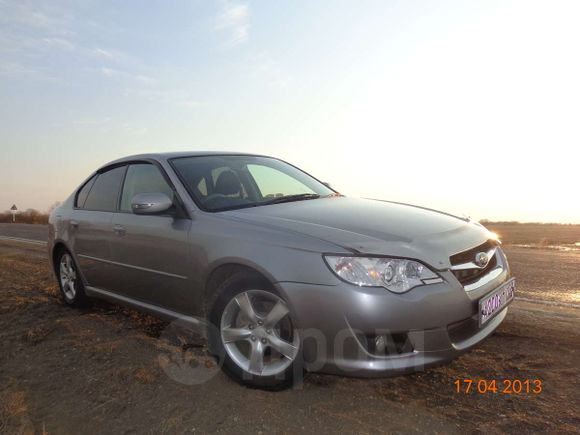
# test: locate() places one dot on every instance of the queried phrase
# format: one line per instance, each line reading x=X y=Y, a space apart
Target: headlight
x=395 y=274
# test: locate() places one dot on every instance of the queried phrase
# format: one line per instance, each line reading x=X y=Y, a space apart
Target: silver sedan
x=283 y=274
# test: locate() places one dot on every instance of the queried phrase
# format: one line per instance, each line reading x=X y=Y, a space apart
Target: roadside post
x=13 y=210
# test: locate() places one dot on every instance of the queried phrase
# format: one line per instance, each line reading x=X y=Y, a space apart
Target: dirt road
x=111 y=370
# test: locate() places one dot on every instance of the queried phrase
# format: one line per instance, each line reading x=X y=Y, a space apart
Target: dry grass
x=128 y=375
x=171 y=425
x=32 y=275
x=14 y=403
x=37 y=334
x=536 y=234
x=13 y=407
x=107 y=347
x=145 y=375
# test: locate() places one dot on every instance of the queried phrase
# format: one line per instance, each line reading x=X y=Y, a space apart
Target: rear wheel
x=70 y=283
x=256 y=334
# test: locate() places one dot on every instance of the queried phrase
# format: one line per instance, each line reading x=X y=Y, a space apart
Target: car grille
x=469 y=255
x=469 y=276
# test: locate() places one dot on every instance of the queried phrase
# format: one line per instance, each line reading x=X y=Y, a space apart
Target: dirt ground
x=111 y=370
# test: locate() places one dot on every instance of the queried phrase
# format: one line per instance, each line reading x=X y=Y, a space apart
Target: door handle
x=74 y=224
x=119 y=230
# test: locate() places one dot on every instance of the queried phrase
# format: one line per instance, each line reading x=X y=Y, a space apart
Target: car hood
x=372 y=227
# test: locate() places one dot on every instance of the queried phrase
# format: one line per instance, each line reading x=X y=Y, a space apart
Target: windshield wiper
x=290 y=198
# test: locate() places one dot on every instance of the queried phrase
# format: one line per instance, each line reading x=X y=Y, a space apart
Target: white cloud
x=234 y=19
x=31 y=32
x=18 y=70
x=10 y=68
x=59 y=43
x=161 y=96
x=108 y=54
x=24 y=14
x=115 y=73
x=44 y=16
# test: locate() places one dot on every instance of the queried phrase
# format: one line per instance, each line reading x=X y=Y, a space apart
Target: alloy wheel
x=258 y=333
x=68 y=276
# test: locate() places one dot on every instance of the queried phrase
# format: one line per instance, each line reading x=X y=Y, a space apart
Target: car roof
x=173 y=155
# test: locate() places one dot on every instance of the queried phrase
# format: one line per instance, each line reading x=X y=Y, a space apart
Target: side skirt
x=195 y=323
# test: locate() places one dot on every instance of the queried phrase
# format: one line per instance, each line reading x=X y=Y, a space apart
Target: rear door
x=151 y=255
x=90 y=225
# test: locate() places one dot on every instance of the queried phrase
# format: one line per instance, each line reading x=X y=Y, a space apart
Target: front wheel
x=256 y=335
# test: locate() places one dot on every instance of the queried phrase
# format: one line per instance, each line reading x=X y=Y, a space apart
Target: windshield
x=228 y=182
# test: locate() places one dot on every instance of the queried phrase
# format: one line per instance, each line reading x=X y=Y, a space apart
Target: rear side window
x=84 y=192
x=104 y=193
x=143 y=178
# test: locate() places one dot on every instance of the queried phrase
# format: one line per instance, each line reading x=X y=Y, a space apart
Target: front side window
x=104 y=194
x=143 y=178
x=274 y=183
x=229 y=182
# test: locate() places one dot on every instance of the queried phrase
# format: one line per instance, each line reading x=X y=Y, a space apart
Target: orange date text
x=498 y=386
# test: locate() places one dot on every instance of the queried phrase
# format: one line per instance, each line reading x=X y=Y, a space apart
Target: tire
x=252 y=331
x=70 y=283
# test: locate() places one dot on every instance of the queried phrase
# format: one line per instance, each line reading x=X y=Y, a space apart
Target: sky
x=472 y=107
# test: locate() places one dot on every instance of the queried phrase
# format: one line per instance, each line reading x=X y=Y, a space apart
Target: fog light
x=380 y=344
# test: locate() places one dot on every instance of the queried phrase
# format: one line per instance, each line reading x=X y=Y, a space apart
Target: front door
x=150 y=253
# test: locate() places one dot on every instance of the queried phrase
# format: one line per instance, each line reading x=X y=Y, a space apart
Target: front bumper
x=426 y=326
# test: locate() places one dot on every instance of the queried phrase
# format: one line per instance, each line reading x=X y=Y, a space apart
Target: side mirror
x=150 y=203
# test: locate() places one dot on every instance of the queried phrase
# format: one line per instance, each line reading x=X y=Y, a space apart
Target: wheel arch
x=222 y=272
x=57 y=248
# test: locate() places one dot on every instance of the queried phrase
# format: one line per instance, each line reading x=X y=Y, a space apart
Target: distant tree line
x=492 y=223
x=29 y=216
